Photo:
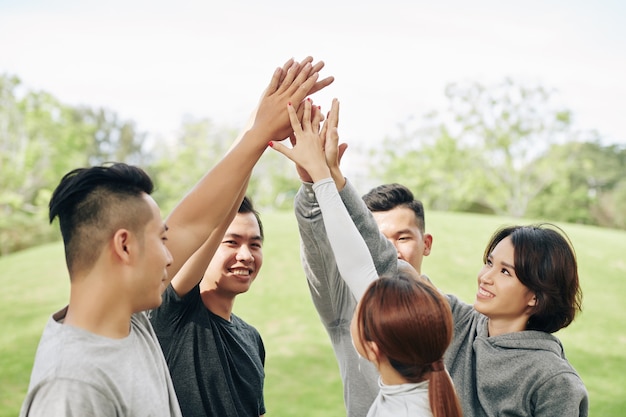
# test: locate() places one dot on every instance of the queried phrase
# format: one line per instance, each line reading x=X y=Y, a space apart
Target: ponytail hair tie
x=437 y=366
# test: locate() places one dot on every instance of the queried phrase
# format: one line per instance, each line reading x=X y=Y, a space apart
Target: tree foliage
x=507 y=150
x=176 y=165
x=41 y=139
x=590 y=186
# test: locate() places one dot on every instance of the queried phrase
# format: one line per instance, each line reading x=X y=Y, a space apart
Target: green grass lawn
x=302 y=376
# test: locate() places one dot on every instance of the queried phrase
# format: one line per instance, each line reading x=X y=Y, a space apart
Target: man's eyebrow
x=238 y=236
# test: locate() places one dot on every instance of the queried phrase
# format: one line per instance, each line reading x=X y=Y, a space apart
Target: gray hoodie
x=515 y=374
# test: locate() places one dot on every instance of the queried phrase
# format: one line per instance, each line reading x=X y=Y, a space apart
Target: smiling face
x=501 y=296
x=399 y=225
x=238 y=259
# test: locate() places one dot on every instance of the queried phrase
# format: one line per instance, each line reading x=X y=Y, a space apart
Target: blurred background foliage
x=504 y=149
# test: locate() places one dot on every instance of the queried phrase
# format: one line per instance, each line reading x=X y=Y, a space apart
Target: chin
x=155 y=304
x=243 y=290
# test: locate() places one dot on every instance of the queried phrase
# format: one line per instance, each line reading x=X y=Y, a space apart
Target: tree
x=480 y=154
x=113 y=139
x=41 y=139
x=177 y=164
x=591 y=187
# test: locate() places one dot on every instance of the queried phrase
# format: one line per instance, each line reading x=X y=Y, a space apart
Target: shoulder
x=561 y=392
x=461 y=311
x=65 y=352
x=67 y=396
x=241 y=324
x=245 y=330
x=172 y=306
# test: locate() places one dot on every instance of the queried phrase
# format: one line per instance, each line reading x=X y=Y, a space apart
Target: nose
x=169 y=256
x=244 y=254
x=484 y=276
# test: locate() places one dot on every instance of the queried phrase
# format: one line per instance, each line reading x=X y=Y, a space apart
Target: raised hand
x=289 y=84
x=308 y=147
x=332 y=149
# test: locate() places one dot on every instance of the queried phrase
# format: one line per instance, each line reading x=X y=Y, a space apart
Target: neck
x=388 y=373
x=498 y=327
x=93 y=307
x=217 y=303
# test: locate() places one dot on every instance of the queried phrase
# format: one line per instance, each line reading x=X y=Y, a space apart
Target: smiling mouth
x=484 y=293
x=241 y=272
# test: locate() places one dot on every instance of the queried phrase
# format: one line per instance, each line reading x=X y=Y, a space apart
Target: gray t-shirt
x=78 y=373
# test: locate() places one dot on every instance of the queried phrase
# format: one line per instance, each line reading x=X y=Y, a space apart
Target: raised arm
x=192 y=272
x=353 y=260
x=209 y=202
x=381 y=250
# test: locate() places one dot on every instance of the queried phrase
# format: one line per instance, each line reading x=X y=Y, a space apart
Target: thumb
x=341 y=151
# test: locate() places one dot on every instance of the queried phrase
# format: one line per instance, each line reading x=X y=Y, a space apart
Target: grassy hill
x=302 y=376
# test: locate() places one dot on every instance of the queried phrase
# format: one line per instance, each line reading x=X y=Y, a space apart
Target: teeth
x=484 y=293
x=242 y=272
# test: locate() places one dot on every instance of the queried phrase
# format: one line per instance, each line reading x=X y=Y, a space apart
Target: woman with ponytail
x=403 y=325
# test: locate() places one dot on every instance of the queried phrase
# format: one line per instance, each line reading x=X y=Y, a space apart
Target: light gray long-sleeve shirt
x=332 y=297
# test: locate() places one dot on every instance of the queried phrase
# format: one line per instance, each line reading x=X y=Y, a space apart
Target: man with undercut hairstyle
x=100 y=355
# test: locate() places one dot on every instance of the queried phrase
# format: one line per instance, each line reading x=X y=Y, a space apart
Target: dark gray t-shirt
x=217 y=365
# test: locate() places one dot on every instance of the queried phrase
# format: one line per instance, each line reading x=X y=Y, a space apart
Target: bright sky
x=155 y=61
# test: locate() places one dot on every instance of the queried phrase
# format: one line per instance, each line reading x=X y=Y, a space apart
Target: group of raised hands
x=314 y=138
x=315 y=143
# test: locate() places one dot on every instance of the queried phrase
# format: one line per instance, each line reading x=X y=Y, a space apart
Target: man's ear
x=121 y=245
x=428 y=243
x=533 y=301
